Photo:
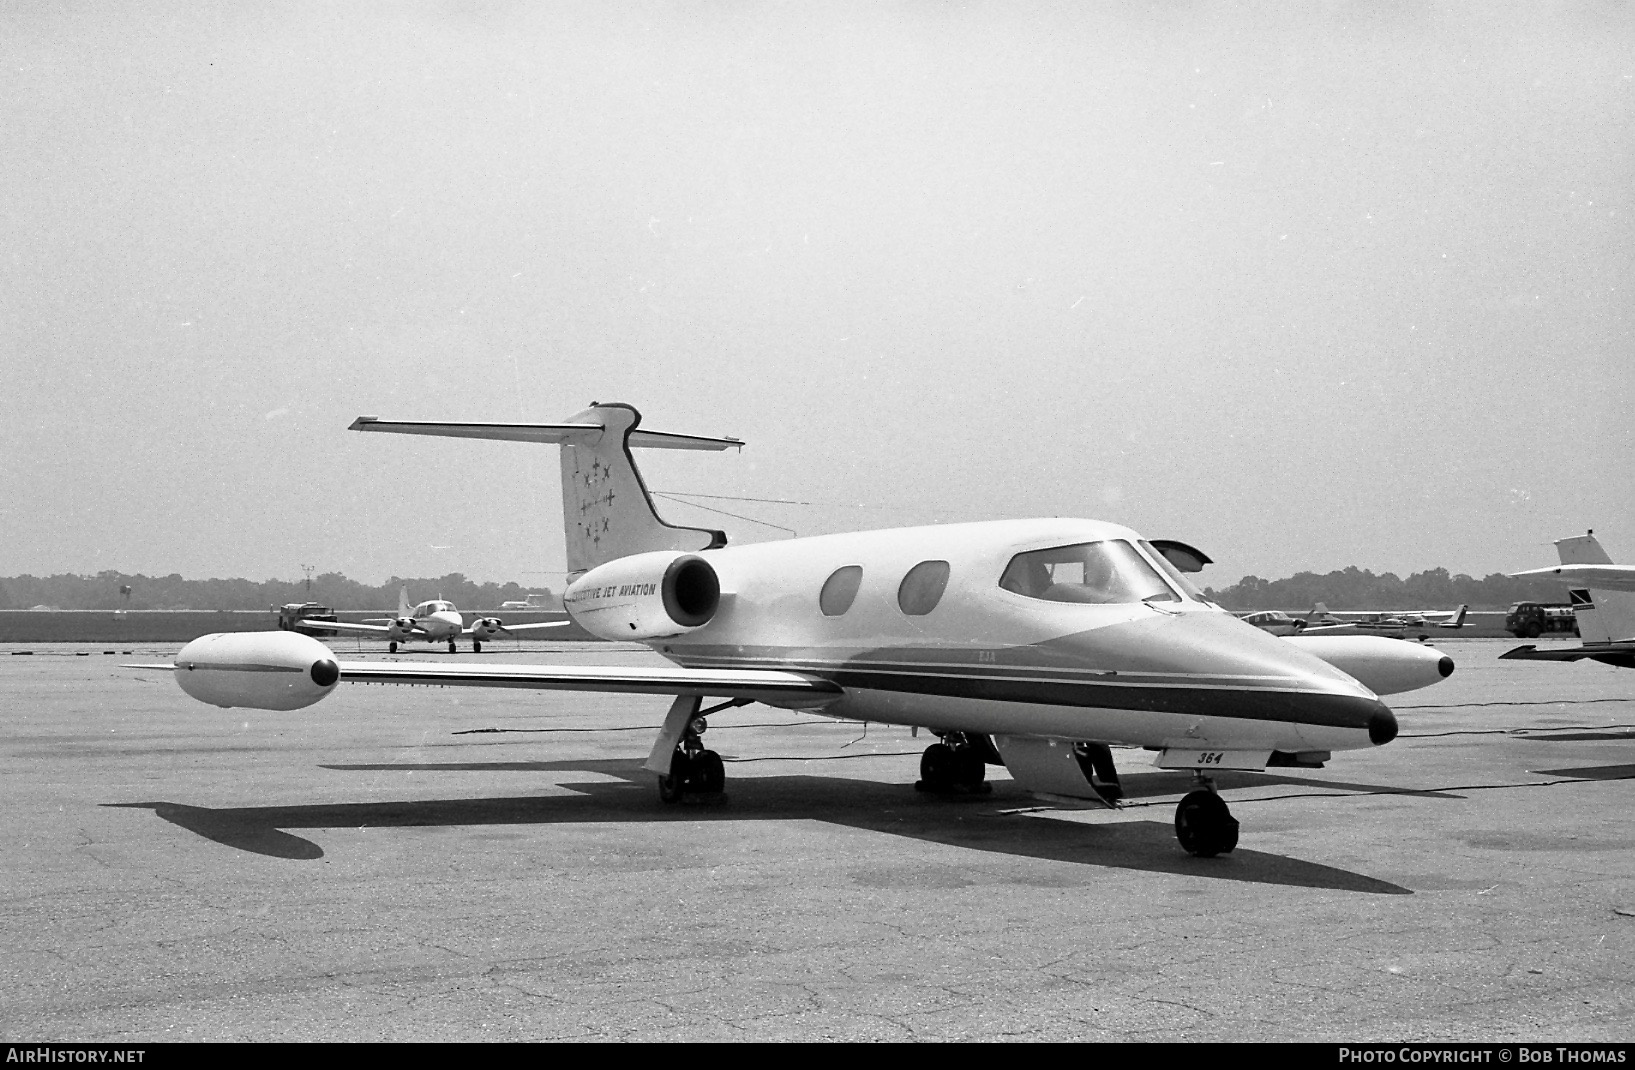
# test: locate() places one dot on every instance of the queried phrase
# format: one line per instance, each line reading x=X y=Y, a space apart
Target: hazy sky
x=1306 y=285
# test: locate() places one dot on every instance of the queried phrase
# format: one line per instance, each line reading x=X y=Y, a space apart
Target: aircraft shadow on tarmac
x=988 y=824
x=1593 y=772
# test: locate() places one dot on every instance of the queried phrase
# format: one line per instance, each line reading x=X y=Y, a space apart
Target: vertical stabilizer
x=403 y=607
x=1582 y=550
x=1602 y=616
x=606 y=510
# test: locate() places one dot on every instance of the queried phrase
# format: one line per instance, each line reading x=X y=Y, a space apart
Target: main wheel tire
x=670 y=788
x=391 y=648
x=1205 y=826
x=937 y=765
x=712 y=774
x=452 y=649
x=970 y=771
x=476 y=646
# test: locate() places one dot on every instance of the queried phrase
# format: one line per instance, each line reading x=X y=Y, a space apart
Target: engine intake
x=645 y=596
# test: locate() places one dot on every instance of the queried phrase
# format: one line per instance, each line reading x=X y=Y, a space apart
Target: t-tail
x=607 y=512
x=1603 y=616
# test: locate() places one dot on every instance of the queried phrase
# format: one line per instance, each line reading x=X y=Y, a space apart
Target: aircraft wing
x=1331 y=628
x=1621 y=653
x=341 y=626
x=757 y=685
x=1595 y=577
x=512 y=629
x=1533 y=653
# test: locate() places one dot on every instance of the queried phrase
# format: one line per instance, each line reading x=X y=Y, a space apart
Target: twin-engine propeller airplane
x=1032 y=644
x=435 y=621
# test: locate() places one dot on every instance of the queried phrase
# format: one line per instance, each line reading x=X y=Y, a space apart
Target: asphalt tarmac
x=460 y=864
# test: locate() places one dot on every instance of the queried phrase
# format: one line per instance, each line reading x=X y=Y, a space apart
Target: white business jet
x=1035 y=644
x=1603 y=601
x=434 y=621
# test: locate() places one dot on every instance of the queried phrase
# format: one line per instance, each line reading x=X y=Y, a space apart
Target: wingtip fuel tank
x=257 y=670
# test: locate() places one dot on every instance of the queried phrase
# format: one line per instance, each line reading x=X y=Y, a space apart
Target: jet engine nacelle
x=258 y=670
x=1384 y=665
x=645 y=596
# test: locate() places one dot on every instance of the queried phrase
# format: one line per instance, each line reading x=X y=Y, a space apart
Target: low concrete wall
x=182 y=625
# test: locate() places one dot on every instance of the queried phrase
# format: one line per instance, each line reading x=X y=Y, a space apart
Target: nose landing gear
x=1203 y=823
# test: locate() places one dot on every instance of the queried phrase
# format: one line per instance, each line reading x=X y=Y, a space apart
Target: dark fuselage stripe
x=1287 y=706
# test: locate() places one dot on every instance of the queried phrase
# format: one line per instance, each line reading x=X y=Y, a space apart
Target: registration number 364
x=1211 y=757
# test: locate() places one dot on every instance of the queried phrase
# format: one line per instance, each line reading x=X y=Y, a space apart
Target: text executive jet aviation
x=435 y=621
x=1034 y=644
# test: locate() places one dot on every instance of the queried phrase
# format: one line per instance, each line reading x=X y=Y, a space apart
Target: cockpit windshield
x=1109 y=572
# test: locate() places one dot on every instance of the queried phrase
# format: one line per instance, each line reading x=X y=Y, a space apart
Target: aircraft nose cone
x=1382 y=727
x=1445 y=666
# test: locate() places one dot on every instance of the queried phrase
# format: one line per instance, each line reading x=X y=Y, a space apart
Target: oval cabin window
x=840 y=590
x=922 y=588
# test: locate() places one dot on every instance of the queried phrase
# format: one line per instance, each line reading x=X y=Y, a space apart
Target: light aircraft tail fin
x=403 y=607
x=1458 y=620
x=606 y=510
x=1321 y=612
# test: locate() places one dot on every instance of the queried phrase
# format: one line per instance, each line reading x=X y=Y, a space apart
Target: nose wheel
x=1203 y=823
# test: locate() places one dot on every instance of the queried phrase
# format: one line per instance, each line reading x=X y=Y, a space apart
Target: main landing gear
x=391 y=648
x=476 y=646
x=452 y=649
x=1203 y=824
x=694 y=771
x=956 y=766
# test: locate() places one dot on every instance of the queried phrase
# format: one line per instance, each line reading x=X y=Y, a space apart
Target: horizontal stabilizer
x=1595 y=577
x=579 y=434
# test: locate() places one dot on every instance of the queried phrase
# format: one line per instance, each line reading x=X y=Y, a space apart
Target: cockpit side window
x=1108 y=573
x=1176 y=576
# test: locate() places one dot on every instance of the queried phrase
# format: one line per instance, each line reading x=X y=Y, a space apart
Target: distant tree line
x=119 y=590
x=1347 y=589
x=1358 y=589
